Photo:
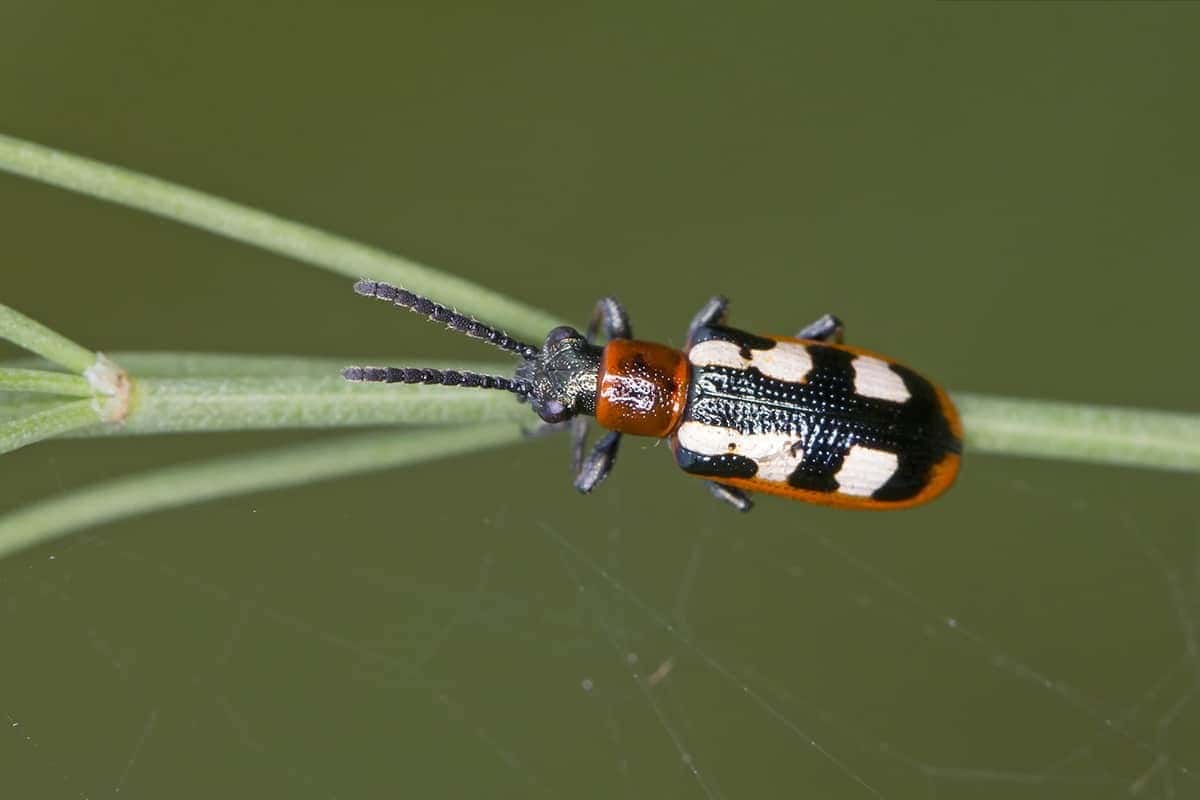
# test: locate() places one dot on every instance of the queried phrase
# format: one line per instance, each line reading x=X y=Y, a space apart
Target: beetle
x=806 y=417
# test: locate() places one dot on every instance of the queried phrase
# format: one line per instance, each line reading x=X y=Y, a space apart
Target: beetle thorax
x=643 y=388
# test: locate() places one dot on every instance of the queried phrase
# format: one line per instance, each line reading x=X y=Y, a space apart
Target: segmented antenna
x=434 y=377
x=439 y=313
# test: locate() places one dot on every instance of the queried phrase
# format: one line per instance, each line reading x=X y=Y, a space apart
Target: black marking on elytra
x=745 y=341
x=936 y=440
x=814 y=476
x=824 y=413
x=726 y=465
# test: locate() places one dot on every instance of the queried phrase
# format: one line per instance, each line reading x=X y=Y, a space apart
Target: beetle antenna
x=435 y=377
x=440 y=313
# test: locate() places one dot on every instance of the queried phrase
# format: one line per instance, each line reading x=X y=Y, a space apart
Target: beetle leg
x=609 y=316
x=579 y=431
x=711 y=313
x=599 y=462
x=727 y=494
x=822 y=330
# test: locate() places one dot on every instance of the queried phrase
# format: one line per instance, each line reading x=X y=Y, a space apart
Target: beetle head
x=561 y=376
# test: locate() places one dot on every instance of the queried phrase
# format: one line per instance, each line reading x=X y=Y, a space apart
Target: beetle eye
x=552 y=411
x=560 y=333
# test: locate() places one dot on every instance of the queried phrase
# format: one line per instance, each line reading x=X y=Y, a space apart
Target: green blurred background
x=1004 y=196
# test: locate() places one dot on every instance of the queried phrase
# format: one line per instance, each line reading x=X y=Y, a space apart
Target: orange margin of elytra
x=940 y=479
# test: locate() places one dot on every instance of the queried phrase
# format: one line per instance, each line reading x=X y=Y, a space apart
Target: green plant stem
x=240 y=365
x=1075 y=432
x=14 y=405
x=258 y=228
x=37 y=338
x=44 y=424
x=179 y=485
x=1013 y=427
x=43 y=382
x=171 y=405
x=205 y=392
x=228 y=393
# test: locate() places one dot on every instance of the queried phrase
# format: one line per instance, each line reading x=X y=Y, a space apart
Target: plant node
x=113 y=388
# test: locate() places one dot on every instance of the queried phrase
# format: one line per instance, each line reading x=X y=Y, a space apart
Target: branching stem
x=37 y=338
x=182 y=392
